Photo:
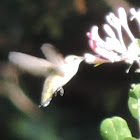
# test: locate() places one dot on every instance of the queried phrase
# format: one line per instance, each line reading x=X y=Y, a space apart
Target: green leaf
x=133 y=100
x=138 y=42
x=114 y=128
x=130 y=138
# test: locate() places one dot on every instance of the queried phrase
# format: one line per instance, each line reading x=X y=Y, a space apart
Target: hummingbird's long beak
x=82 y=58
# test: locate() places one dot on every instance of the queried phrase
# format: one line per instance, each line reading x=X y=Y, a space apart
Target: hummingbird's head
x=73 y=59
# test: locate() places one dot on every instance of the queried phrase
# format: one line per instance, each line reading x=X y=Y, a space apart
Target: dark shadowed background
x=91 y=96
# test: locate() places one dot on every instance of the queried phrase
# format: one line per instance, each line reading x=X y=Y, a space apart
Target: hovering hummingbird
x=57 y=70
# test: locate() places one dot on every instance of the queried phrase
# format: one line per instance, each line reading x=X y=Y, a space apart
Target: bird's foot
x=61 y=90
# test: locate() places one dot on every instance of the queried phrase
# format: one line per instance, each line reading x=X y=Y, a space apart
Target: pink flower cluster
x=113 y=48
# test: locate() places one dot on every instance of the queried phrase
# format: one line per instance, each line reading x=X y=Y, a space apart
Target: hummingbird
x=57 y=70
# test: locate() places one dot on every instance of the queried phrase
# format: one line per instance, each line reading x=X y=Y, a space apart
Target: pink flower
x=113 y=48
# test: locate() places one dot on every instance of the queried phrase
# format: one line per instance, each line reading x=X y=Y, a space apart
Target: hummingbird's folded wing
x=31 y=64
x=52 y=54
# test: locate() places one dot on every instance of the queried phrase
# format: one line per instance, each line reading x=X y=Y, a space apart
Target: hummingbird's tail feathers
x=47 y=92
x=52 y=54
x=31 y=64
x=45 y=104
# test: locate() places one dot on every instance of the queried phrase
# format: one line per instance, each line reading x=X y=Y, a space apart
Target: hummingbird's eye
x=74 y=58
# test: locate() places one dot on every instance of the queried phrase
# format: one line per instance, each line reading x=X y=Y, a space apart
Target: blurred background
x=91 y=96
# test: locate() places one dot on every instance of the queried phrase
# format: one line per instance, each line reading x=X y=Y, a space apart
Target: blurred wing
x=31 y=64
x=52 y=54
